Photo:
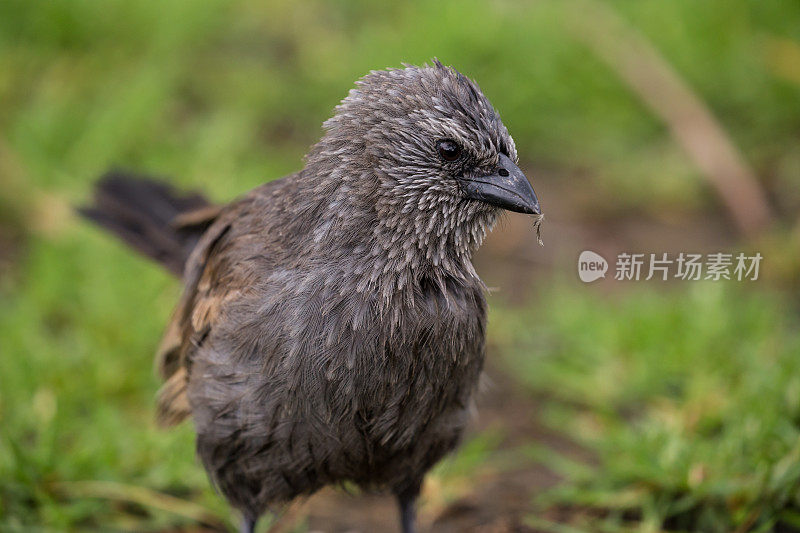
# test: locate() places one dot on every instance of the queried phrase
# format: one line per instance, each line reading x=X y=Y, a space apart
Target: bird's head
x=426 y=147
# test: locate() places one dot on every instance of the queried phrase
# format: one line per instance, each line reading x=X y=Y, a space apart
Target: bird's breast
x=416 y=382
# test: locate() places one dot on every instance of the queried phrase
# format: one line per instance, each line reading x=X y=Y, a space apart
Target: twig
x=649 y=75
x=142 y=496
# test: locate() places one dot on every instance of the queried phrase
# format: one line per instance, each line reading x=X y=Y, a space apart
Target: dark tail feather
x=151 y=217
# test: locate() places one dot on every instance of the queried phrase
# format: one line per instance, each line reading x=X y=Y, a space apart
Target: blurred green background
x=616 y=406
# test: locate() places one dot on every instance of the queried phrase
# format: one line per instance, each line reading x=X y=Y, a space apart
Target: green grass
x=76 y=388
x=688 y=400
x=223 y=95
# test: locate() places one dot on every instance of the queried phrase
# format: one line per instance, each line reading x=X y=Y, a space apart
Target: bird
x=332 y=327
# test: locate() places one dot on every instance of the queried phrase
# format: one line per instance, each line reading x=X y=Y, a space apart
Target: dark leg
x=248 y=525
x=407 y=503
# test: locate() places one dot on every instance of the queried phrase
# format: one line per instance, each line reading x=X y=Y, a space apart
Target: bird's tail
x=151 y=217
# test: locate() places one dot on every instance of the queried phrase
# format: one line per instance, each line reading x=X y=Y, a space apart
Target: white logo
x=591 y=266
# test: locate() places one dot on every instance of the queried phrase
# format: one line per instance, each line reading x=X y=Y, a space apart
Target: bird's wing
x=204 y=295
x=219 y=272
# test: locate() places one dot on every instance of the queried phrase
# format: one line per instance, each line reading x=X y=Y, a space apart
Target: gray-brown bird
x=332 y=327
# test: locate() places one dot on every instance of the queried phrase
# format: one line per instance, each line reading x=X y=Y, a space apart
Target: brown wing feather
x=191 y=321
x=172 y=403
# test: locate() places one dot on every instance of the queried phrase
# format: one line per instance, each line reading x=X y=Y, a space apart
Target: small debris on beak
x=537 y=226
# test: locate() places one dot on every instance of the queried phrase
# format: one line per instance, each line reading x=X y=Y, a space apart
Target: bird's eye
x=449 y=150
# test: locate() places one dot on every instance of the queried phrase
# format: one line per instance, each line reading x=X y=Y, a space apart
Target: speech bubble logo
x=591 y=266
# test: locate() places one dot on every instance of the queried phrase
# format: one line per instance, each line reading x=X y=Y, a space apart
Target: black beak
x=507 y=188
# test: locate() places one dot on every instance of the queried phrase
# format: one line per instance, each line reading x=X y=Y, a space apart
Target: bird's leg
x=407 y=504
x=248 y=525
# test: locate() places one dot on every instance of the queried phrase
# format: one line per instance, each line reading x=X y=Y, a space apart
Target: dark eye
x=449 y=150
